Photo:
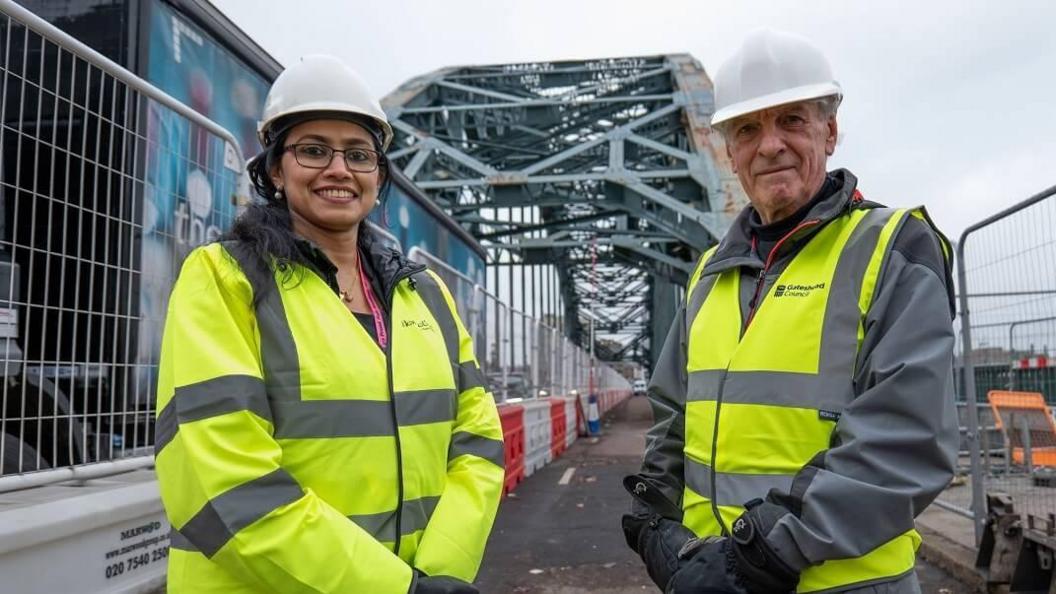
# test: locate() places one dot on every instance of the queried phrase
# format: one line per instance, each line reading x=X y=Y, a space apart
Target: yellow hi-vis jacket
x=295 y=455
x=823 y=386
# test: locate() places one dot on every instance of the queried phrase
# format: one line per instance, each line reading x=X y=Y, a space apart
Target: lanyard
x=375 y=311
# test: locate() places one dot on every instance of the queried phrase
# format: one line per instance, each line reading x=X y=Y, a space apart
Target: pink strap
x=372 y=302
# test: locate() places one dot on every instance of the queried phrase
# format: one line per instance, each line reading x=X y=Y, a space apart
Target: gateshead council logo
x=797 y=290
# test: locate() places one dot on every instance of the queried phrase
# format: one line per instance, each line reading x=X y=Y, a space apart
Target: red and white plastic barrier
x=558 y=426
x=1038 y=362
x=512 y=418
x=570 y=420
x=537 y=431
x=608 y=399
x=537 y=436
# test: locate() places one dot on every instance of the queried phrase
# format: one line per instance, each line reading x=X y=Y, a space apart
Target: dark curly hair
x=265 y=227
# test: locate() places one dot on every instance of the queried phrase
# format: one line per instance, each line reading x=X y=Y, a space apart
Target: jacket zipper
x=761 y=279
x=759 y=282
x=392 y=407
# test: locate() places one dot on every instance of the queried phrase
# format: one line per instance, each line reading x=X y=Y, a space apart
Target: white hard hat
x=320 y=83
x=771 y=69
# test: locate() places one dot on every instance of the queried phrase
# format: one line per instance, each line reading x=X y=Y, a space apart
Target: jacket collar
x=735 y=249
x=384 y=263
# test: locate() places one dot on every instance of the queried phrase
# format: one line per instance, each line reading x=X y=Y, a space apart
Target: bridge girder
x=614 y=176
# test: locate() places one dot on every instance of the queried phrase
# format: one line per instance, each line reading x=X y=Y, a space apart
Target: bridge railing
x=521 y=357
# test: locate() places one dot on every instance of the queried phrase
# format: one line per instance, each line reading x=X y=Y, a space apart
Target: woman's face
x=328 y=196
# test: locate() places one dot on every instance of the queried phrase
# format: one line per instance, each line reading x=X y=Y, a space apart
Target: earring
x=279 y=195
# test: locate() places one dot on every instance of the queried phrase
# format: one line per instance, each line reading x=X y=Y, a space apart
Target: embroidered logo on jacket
x=420 y=324
x=797 y=290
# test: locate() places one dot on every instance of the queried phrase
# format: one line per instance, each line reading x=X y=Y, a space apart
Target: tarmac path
x=559 y=533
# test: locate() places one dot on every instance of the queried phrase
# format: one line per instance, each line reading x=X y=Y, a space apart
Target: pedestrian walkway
x=559 y=533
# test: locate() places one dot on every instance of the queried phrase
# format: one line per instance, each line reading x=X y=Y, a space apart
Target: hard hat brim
x=264 y=127
x=803 y=93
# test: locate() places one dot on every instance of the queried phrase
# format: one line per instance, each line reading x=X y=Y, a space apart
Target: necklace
x=346 y=294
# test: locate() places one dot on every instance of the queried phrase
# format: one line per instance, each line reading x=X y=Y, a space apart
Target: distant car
x=639 y=387
x=516 y=386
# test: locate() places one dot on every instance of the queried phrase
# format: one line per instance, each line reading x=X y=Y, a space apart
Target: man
x=803 y=400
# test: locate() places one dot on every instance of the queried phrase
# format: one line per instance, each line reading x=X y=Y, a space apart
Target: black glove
x=708 y=567
x=658 y=542
x=745 y=562
x=654 y=530
x=439 y=584
x=758 y=565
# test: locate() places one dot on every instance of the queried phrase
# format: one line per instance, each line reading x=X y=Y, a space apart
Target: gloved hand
x=708 y=567
x=762 y=570
x=745 y=562
x=657 y=541
x=654 y=529
x=439 y=584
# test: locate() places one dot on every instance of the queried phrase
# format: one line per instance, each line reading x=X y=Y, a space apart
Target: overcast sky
x=949 y=104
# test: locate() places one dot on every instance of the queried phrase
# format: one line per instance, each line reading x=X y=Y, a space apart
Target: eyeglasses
x=319 y=156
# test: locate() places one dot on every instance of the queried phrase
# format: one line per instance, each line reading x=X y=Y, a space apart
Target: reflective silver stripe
x=700 y=293
x=309 y=419
x=414 y=516
x=704 y=384
x=470 y=376
x=426 y=406
x=226 y=514
x=465 y=443
x=179 y=541
x=221 y=395
x=332 y=418
x=771 y=388
x=839 y=332
x=431 y=295
x=165 y=427
x=278 y=351
x=730 y=488
x=210 y=398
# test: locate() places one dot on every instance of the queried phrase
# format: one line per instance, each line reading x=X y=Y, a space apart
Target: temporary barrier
x=1006 y=288
x=1028 y=427
x=512 y=417
x=536 y=435
x=570 y=420
x=558 y=426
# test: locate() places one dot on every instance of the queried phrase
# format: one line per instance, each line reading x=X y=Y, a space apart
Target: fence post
x=978 y=512
x=985 y=439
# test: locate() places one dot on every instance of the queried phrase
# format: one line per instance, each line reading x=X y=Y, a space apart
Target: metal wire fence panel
x=1007 y=333
x=105 y=186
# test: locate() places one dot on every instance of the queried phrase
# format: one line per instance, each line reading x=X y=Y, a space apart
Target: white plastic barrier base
x=108 y=535
x=570 y=420
x=537 y=436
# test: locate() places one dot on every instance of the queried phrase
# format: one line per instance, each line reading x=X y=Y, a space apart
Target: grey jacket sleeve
x=663 y=461
x=895 y=445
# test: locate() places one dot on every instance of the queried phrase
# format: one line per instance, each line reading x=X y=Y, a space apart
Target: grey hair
x=826 y=107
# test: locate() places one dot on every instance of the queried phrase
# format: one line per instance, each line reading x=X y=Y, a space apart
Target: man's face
x=779 y=155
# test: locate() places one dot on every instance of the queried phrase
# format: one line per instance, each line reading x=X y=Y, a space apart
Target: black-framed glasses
x=318 y=156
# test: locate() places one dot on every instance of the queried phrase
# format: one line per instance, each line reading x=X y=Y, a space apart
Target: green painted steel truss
x=565 y=163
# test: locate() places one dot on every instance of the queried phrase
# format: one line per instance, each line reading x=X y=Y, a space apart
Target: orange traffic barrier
x=512 y=418
x=1014 y=409
x=558 y=426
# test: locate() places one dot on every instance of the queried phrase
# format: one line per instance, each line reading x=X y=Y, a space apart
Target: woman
x=322 y=425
